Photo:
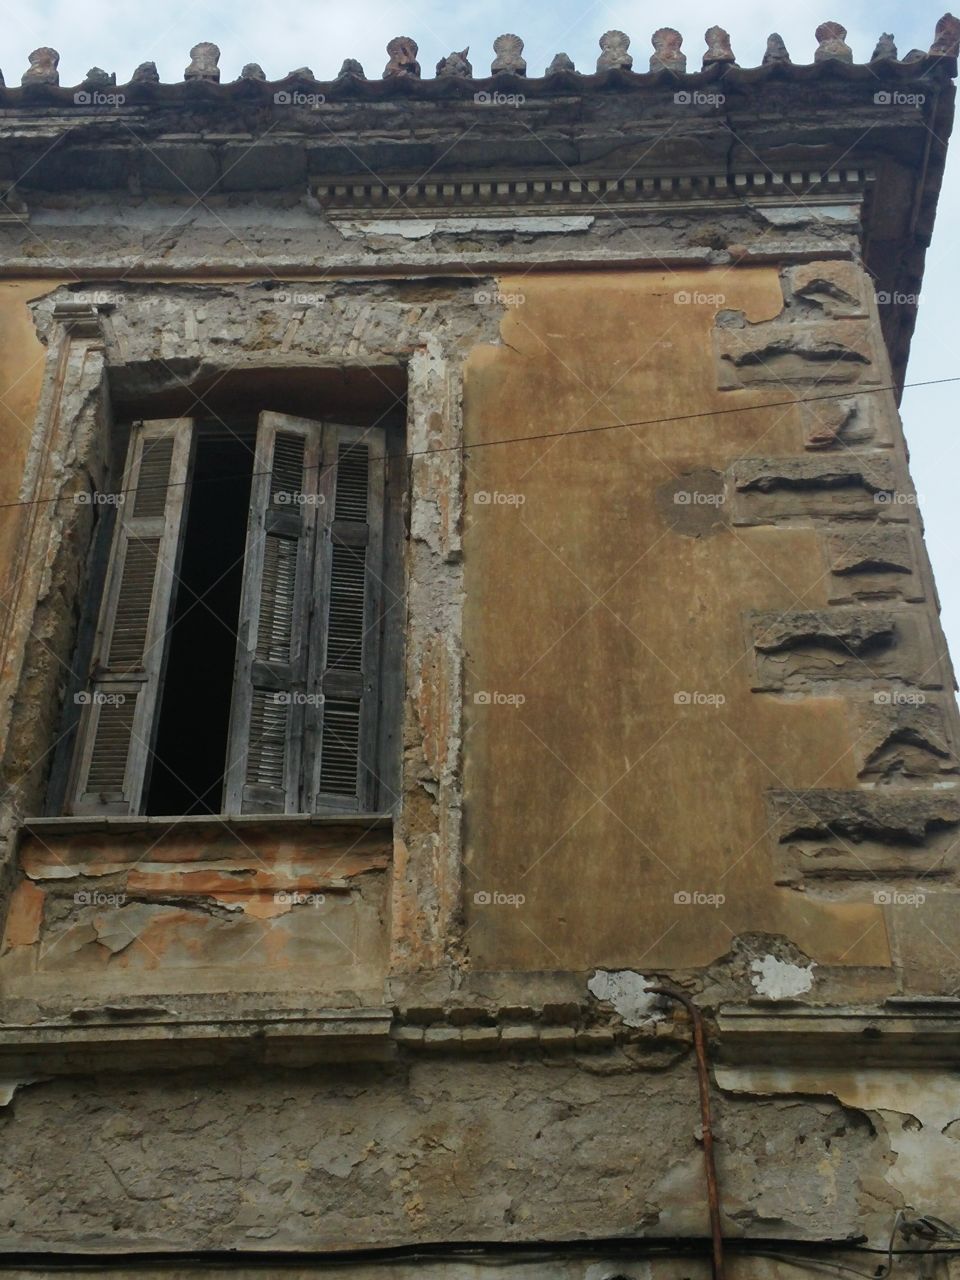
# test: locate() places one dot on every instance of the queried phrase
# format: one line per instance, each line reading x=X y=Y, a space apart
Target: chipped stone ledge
x=373 y=263
x=132 y=1038
x=923 y=1031
x=111 y=1040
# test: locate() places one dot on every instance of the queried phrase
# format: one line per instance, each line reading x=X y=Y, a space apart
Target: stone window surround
x=68 y=452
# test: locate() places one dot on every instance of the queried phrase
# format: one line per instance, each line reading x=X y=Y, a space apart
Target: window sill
x=234 y=822
x=198 y=1035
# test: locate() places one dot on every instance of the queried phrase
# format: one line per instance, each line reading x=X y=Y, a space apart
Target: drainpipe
x=706 y=1123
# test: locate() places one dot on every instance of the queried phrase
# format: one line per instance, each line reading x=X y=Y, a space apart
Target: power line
x=547 y=435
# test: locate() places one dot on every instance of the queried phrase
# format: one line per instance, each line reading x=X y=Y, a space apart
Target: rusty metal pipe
x=706 y=1123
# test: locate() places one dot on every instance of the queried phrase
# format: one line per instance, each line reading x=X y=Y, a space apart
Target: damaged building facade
x=461 y=572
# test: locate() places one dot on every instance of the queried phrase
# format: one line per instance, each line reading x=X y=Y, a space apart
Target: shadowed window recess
x=237 y=655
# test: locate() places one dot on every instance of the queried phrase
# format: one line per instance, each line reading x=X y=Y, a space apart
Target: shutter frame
x=264 y=767
x=113 y=756
x=351 y=688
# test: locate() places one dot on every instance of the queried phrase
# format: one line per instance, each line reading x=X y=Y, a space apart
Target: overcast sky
x=119 y=34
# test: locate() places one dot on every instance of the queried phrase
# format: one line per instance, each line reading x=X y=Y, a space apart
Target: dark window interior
x=196 y=693
x=195 y=706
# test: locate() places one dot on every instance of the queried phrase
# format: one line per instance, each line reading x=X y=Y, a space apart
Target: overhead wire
x=526 y=439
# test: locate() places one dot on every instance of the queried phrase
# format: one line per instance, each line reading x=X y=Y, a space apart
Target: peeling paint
x=627 y=992
x=422 y=228
x=779 y=980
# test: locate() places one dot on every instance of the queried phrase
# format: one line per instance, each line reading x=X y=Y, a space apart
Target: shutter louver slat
x=266 y=761
x=341 y=747
x=278 y=599
x=111 y=746
x=154 y=478
x=353 y=482
x=348 y=582
x=132 y=620
x=286 y=474
x=118 y=726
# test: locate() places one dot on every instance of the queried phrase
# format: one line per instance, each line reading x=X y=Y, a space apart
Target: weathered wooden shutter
x=345 y=631
x=118 y=723
x=267 y=722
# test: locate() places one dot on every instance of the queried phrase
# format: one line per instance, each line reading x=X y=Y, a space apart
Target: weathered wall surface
x=708 y=646
x=21 y=376
x=723 y=632
x=428 y=1150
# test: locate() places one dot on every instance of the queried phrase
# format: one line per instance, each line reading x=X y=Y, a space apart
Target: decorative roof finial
x=203 y=63
x=43 y=67
x=614 y=56
x=509 y=59
x=456 y=64
x=885 y=50
x=561 y=63
x=718 y=48
x=97 y=78
x=253 y=71
x=402 y=51
x=946 y=42
x=832 y=38
x=351 y=68
x=667 y=55
x=776 y=50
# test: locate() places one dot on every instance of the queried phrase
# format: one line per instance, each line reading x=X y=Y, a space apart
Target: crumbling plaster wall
x=798 y=580
x=518 y=1143
x=430 y=1149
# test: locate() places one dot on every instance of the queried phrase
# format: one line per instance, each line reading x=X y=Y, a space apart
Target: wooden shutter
x=267 y=722
x=345 y=632
x=118 y=722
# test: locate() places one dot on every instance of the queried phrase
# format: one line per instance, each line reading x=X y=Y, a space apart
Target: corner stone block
x=795 y=652
x=801 y=353
x=860 y=835
x=904 y=737
x=843 y=485
x=873 y=562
